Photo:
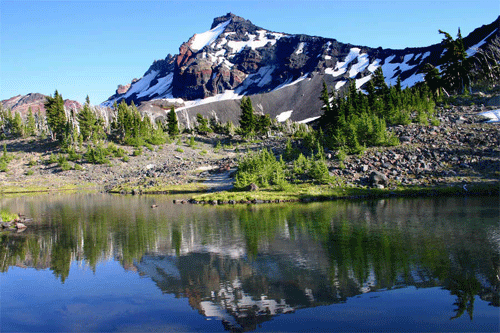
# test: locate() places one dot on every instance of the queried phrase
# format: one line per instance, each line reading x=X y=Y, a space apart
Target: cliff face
x=236 y=58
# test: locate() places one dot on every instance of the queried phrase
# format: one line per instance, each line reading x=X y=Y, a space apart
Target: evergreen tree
x=173 y=124
x=263 y=123
x=379 y=82
x=17 y=125
x=30 y=123
x=247 y=119
x=87 y=121
x=203 y=127
x=455 y=64
x=433 y=79
x=56 y=117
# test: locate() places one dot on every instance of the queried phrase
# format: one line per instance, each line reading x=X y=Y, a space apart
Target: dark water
x=113 y=263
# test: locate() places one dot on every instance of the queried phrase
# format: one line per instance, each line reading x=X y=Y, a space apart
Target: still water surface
x=113 y=263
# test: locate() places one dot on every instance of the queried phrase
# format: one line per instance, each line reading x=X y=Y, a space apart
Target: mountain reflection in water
x=244 y=265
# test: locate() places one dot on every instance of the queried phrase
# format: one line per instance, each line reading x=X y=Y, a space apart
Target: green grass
x=309 y=192
x=161 y=189
x=7 y=216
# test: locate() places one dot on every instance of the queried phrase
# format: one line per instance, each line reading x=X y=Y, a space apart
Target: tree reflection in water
x=244 y=265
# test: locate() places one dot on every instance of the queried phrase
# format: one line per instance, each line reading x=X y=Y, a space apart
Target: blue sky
x=86 y=48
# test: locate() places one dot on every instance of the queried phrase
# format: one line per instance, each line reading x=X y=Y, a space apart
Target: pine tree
x=433 y=79
x=247 y=119
x=30 y=123
x=173 y=124
x=455 y=65
x=87 y=121
x=56 y=117
x=379 y=82
x=17 y=125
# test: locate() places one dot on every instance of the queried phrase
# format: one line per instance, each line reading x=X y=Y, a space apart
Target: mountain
x=21 y=103
x=283 y=73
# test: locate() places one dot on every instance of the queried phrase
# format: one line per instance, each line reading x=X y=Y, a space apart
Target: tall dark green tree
x=455 y=64
x=87 y=120
x=173 y=124
x=433 y=79
x=247 y=118
x=56 y=117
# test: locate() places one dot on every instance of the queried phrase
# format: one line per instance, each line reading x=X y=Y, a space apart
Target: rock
x=404 y=138
x=7 y=224
x=20 y=225
x=252 y=187
x=378 y=178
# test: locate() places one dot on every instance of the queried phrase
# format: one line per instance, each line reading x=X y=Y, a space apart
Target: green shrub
x=32 y=163
x=77 y=167
x=65 y=166
x=126 y=158
x=120 y=152
x=203 y=152
x=30 y=172
x=72 y=154
x=52 y=159
x=191 y=142
x=96 y=154
x=179 y=150
x=218 y=147
x=319 y=171
x=137 y=151
x=261 y=168
x=300 y=165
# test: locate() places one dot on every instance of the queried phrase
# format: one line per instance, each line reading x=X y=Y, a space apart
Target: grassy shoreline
x=294 y=193
x=327 y=193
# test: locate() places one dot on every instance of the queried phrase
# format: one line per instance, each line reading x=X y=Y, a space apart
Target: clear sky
x=88 y=48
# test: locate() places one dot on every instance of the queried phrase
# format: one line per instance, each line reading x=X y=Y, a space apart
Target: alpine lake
x=106 y=263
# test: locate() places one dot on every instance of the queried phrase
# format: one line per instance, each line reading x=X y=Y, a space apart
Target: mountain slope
x=281 y=72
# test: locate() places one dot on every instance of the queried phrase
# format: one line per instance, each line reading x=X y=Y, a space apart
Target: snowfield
x=201 y=40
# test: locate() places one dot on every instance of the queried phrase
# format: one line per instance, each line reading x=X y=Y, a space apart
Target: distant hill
x=21 y=103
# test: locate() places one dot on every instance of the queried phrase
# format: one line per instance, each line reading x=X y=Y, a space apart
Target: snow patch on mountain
x=392 y=70
x=308 y=120
x=290 y=82
x=359 y=66
x=162 y=88
x=227 y=95
x=253 y=41
x=283 y=116
x=339 y=84
x=300 y=48
x=201 y=40
x=142 y=84
x=341 y=66
x=360 y=82
x=412 y=80
x=473 y=49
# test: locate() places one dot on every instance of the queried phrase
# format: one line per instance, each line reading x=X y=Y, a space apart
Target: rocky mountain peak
x=237 y=24
x=282 y=72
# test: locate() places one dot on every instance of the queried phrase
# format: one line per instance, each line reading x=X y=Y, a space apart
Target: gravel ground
x=461 y=149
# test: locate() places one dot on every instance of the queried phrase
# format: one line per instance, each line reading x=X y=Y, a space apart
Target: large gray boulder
x=378 y=179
